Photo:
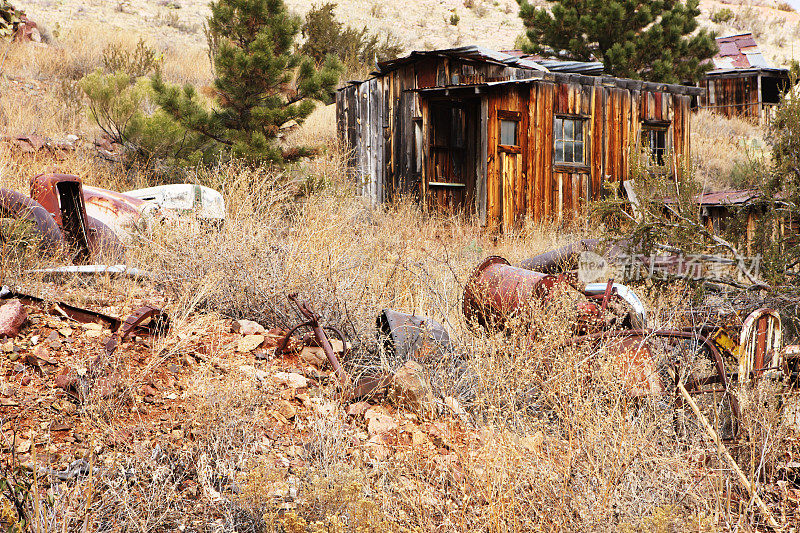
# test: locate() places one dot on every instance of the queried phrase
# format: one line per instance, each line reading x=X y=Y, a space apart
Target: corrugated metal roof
x=736 y=197
x=565 y=77
x=513 y=58
x=738 y=52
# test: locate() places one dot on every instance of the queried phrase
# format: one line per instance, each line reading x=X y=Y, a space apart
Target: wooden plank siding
x=385 y=122
x=613 y=118
x=732 y=97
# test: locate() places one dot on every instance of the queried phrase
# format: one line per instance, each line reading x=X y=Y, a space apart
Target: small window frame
x=581 y=120
x=654 y=157
x=509 y=116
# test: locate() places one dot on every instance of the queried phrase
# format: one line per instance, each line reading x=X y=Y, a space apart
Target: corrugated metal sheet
x=738 y=52
x=514 y=58
x=737 y=197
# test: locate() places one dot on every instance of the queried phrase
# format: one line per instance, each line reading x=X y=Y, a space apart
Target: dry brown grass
x=554 y=441
x=722 y=148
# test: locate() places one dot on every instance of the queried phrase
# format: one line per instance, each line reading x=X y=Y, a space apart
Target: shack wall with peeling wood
x=431 y=128
x=524 y=181
x=732 y=97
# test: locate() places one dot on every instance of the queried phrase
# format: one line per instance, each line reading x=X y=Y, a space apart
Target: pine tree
x=652 y=40
x=261 y=83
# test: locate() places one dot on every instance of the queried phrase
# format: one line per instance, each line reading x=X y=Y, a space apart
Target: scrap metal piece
x=62 y=196
x=159 y=323
x=65 y=198
x=86 y=316
x=628 y=295
x=412 y=337
x=319 y=334
x=719 y=364
x=561 y=259
x=18 y=206
x=760 y=345
x=204 y=202
x=122 y=213
x=114 y=270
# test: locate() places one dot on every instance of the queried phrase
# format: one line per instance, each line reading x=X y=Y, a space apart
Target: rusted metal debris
x=320 y=336
x=91 y=222
x=18 y=206
x=80 y=314
x=147 y=318
x=412 y=337
x=497 y=292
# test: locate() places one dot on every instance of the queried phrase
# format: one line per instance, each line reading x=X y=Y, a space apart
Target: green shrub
x=723 y=15
x=454 y=18
x=141 y=61
x=356 y=49
x=116 y=105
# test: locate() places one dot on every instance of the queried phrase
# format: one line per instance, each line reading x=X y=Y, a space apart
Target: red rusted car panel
x=18 y=206
x=94 y=221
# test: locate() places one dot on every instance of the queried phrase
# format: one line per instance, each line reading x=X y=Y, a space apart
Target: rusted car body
x=94 y=224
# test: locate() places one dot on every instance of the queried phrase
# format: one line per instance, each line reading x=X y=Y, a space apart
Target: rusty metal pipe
x=496 y=291
x=561 y=259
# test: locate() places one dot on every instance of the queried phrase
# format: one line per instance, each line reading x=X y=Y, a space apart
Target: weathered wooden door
x=510 y=165
x=510 y=152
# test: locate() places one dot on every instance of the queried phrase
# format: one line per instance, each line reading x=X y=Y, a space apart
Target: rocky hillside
x=423 y=24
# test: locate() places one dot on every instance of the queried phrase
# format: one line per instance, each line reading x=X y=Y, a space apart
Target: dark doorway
x=452 y=153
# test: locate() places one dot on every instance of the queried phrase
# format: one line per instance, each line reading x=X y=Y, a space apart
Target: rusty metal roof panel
x=735 y=197
x=738 y=52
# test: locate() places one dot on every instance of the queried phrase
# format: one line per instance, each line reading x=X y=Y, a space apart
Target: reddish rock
x=66 y=380
x=12 y=316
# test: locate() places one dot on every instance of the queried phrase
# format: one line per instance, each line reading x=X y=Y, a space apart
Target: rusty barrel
x=496 y=291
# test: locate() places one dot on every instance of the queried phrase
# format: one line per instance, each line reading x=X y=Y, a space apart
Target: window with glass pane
x=508 y=132
x=568 y=135
x=654 y=144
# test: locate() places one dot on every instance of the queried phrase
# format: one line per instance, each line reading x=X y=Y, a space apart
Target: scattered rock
x=313 y=356
x=358 y=408
x=291 y=379
x=248 y=343
x=43 y=354
x=379 y=421
x=253 y=372
x=92 y=326
x=66 y=381
x=286 y=409
x=418 y=438
x=410 y=388
x=12 y=316
x=248 y=327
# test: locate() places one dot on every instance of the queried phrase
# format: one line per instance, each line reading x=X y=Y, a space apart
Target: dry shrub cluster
x=724 y=148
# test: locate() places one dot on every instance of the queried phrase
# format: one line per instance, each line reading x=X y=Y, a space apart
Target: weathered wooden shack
x=504 y=137
x=742 y=84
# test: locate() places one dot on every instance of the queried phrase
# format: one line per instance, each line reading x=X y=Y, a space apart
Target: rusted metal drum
x=496 y=291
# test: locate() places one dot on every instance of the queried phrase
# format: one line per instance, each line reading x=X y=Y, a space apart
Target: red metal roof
x=739 y=52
